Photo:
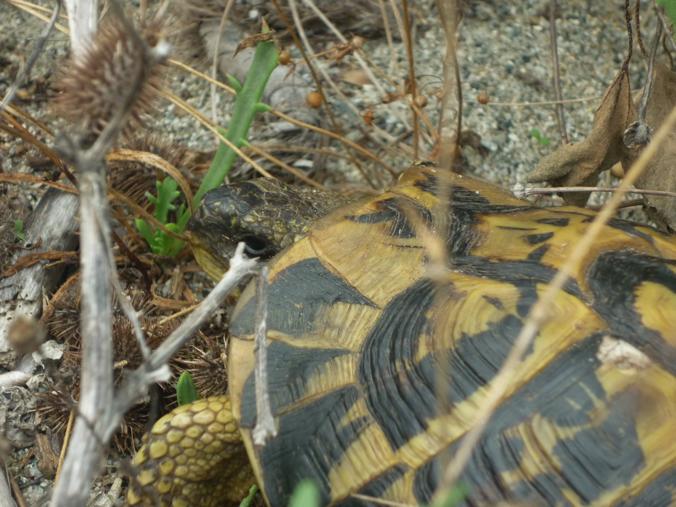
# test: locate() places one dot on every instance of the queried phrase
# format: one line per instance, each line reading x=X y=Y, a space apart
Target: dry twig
x=556 y=79
x=265 y=424
x=37 y=50
x=450 y=114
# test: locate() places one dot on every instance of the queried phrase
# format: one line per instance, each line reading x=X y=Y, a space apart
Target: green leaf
x=542 y=139
x=186 y=392
x=247 y=105
x=145 y=230
x=159 y=241
x=19 y=231
x=234 y=83
x=306 y=494
x=246 y=502
x=455 y=495
x=669 y=8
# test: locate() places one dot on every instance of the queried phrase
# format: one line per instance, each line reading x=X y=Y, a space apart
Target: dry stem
x=450 y=114
x=265 y=423
x=561 y=120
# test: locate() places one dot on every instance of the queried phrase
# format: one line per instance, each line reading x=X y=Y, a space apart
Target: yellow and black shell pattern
x=377 y=369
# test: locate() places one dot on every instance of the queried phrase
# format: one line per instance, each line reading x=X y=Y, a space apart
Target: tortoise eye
x=255 y=246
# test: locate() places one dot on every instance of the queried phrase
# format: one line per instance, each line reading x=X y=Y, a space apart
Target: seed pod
x=284 y=57
x=421 y=101
x=314 y=99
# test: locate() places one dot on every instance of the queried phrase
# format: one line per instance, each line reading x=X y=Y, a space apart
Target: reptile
x=388 y=318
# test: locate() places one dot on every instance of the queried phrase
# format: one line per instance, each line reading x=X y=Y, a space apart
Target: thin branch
x=96 y=268
x=380 y=501
x=666 y=27
x=82 y=20
x=393 y=67
x=450 y=114
x=24 y=72
x=214 y=63
x=411 y=78
x=326 y=105
x=650 y=77
x=556 y=78
x=637 y=15
x=539 y=313
x=387 y=137
x=6 y=499
x=136 y=383
x=265 y=423
x=342 y=39
x=568 y=190
x=544 y=102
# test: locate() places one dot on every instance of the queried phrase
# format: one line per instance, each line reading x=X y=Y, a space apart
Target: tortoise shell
x=377 y=365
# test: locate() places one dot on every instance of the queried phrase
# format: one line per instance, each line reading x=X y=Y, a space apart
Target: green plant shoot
x=19 y=231
x=669 y=8
x=306 y=494
x=247 y=105
x=159 y=241
x=248 y=500
x=542 y=139
x=186 y=392
x=454 y=496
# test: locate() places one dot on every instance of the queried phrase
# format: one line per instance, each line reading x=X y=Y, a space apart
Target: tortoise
x=377 y=364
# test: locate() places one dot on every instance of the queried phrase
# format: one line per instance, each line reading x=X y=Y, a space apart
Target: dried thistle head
x=119 y=71
x=54 y=406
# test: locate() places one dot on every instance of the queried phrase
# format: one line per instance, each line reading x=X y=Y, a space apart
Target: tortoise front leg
x=193 y=456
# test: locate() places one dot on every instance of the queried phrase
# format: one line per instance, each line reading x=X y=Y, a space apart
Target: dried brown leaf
x=579 y=164
x=661 y=173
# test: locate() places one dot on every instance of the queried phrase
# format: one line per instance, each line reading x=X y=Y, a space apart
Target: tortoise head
x=266 y=214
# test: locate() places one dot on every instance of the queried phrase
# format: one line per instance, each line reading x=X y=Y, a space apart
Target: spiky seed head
x=120 y=69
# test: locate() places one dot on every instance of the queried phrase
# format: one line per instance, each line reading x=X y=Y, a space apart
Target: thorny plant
x=164 y=236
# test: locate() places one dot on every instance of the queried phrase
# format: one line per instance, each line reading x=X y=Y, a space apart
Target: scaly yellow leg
x=194 y=456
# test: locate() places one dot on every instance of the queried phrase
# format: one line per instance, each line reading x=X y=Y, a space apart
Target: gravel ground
x=504 y=52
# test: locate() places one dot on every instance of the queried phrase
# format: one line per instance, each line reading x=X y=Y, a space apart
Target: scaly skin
x=194 y=452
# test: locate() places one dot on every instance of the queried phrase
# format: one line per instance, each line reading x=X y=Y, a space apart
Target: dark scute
x=557 y=222
x=472 y=363
x=661 y=492
x=296 y=296
x=288 y=374
x=511 y=228
x=494 y=301
x=613 y=279
x=543 y=489
x=524 y=275
x=537 y=254
x=604 y=456
x=468 y=199
x=462 y=235
x=625 y=226
x=394 y=211
x=309 y=442
x=425 y=482
x=376 y=487
x=561 y=395
x=398 y=398
x=534 y=239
